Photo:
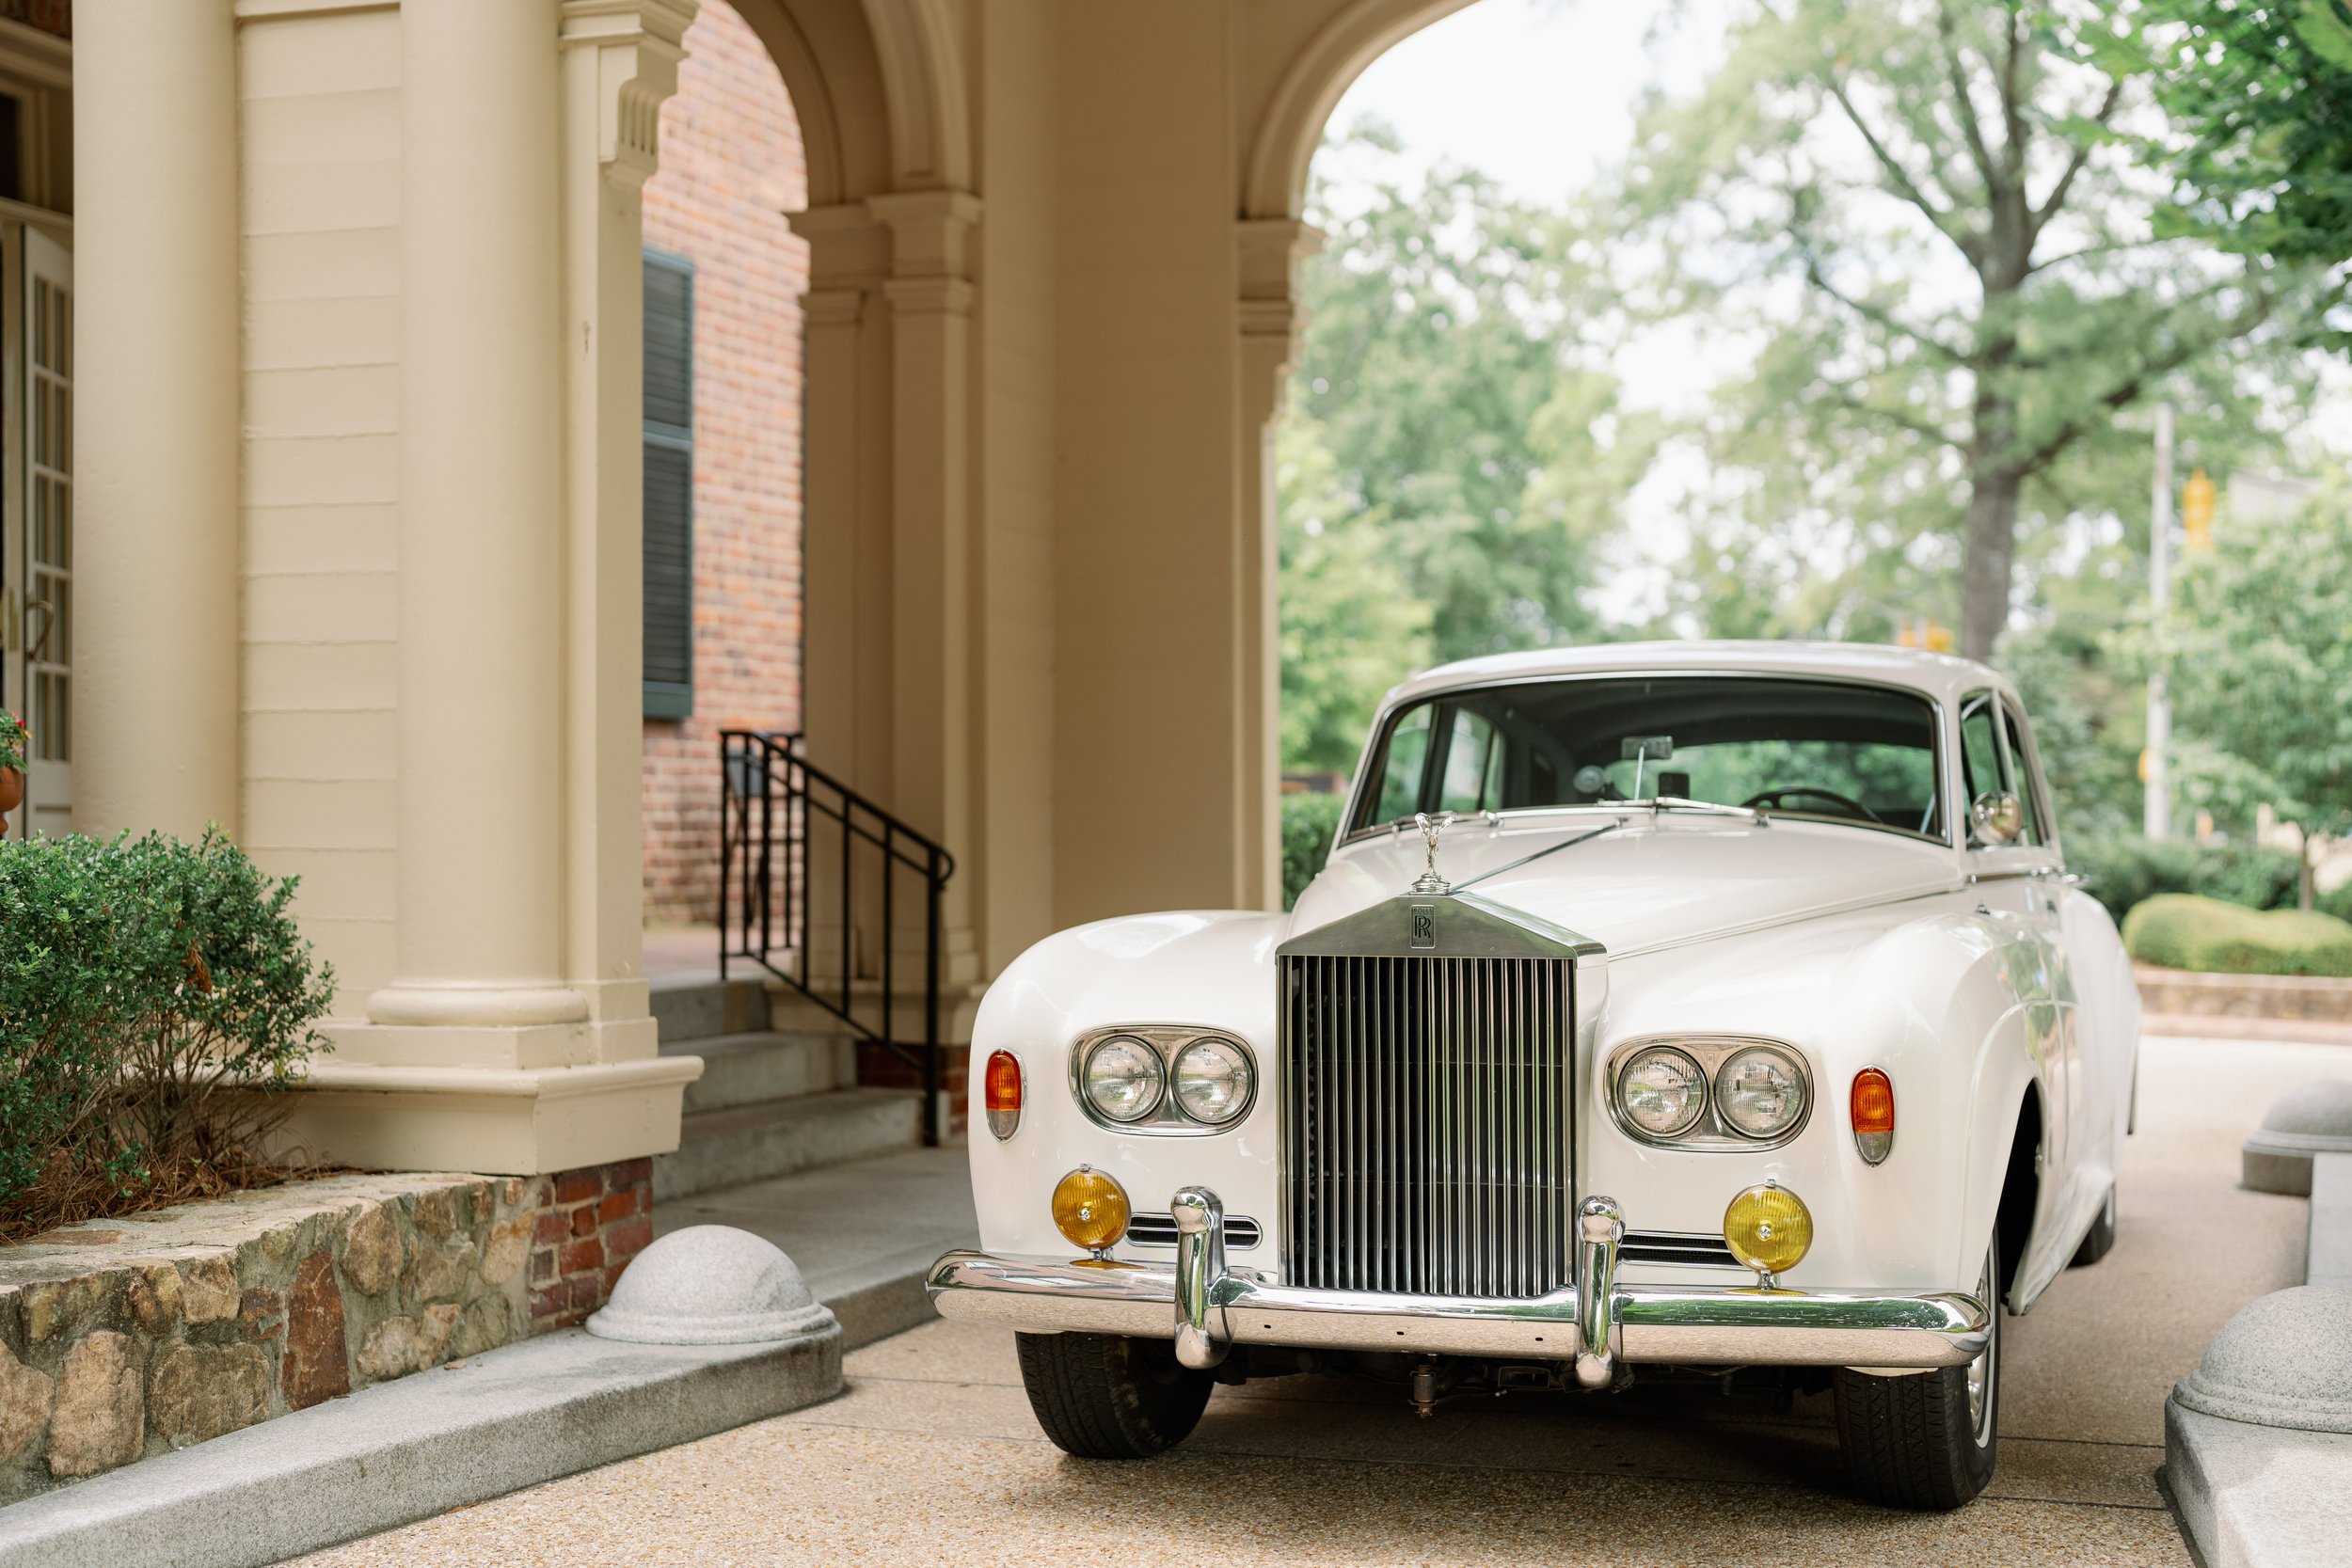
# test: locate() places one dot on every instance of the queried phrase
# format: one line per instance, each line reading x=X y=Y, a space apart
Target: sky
x=1540 y=95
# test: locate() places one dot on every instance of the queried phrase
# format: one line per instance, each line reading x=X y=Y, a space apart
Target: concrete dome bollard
x=2283 y=1361
x=2315 y=1118
x=711 y=1285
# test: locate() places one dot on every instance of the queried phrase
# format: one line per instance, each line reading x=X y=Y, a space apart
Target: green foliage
x=2181 y=931
x=1453 y=457
x=13 y=738
x=2259 y=651
x=2262 y=92
x=1309 y=822
x=155 y=1001
x=2126 y=871
x=1928 y=216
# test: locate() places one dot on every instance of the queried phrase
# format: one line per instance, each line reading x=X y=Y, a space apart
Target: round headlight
x=1122 y=1078
x=1090 y=1209
x=1759 y=1092
x=1662 y=1091
x=1212 y=1080
x=1768 y=1229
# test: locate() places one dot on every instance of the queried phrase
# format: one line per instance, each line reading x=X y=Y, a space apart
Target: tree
x=2262 y=90
x=2260 y=660
x=1452 y=458
x=1931 y=213
x=1447 y=364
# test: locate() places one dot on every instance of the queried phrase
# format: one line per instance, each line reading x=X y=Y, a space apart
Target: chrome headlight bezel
x=1168 y=1041
x=1712 y=1131
x=1147 y=1058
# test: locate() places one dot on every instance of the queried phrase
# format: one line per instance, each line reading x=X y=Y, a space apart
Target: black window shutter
x=669 y=485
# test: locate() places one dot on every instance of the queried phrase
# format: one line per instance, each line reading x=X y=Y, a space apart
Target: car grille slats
x=1425 y=1108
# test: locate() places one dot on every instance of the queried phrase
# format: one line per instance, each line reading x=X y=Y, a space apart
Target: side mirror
x=1997 y=817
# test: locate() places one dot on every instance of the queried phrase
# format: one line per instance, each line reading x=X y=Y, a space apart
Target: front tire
x=2100 y=1239
x=1106 y=1396
x=1927 y=1441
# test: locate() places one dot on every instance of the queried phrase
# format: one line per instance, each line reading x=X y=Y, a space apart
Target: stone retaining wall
x=2184 y=993
x=121 y=1338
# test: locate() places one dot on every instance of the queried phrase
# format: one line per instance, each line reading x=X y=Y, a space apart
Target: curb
x=400 y=1451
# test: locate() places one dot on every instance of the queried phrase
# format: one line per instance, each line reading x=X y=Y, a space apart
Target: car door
x=2009 y=881
x=2043 y=899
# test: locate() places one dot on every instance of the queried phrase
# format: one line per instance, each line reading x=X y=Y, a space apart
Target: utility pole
x=2157 y=813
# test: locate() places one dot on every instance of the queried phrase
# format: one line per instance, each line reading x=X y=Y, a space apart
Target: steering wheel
x=1775 y=800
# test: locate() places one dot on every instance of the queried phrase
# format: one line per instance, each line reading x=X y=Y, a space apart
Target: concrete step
x=701 y=1008
x=745 y=1070
x=777 y=1137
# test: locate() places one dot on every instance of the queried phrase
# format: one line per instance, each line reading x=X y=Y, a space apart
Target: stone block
x=26 y=1395
x=398 y=1346
x=371 y=1251
x=208 y=1290
x=316 y=1365
x=154 y=1297
x=502 y=1253
x=261 y=1314
x=2314 y=1119
x=486 y=1323
x=197 y=1392
x=2257 y=1496
x=100 y=1420
x=441 y=1271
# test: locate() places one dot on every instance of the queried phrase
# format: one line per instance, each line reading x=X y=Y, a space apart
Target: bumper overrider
x=1207 y=1307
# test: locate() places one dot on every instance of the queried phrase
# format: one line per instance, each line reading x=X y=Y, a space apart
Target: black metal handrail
x=774 y=804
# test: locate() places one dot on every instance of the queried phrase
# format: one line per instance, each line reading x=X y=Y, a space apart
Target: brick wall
x=591 y=1222
x=731 y=165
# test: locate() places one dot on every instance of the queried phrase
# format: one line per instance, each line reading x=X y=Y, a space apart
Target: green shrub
x=1309 y=822
x=2127 y=871
x=2182 y=931
x=155 y=1001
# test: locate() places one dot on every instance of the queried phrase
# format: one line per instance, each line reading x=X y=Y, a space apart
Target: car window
x=2021 y=773
x=1980 y=749
x=1400 y=772
x=1471 y=779
x=1829 y=751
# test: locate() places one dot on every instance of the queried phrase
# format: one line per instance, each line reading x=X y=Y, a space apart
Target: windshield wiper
x=1546 y=849
x=1712 y=808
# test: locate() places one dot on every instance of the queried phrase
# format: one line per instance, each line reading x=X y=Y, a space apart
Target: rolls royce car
x=1674 y=1010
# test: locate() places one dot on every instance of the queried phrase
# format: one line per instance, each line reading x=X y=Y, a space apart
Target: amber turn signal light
x=1090 y=1209
x=1000 y=1094
x=1872 y=1106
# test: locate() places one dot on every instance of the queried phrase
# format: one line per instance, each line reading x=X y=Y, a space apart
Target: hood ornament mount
x=1429 y=883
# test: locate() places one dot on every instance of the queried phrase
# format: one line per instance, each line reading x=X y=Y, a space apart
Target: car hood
x=1644 y=884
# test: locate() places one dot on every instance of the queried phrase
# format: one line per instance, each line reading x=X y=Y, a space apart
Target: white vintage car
x=1664 y=1009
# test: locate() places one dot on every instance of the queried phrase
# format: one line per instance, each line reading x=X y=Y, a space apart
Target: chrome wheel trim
x=1981 y=1373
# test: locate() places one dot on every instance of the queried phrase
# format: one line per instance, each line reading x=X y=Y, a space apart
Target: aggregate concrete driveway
x=931 y=1456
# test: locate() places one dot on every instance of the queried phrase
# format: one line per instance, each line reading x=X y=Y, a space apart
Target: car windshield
x=1822 y=749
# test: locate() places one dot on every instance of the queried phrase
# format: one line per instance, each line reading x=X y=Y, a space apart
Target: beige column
x=936 y=782
x=515 y=1036
x=154 y=637
x=1269 y=251
x=480 y=482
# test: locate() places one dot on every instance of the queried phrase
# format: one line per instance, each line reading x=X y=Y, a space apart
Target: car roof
x=1938 y=675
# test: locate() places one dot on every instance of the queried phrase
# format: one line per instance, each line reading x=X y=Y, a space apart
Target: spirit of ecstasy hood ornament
x=1429 y=881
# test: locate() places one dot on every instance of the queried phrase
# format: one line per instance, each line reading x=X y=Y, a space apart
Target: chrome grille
x=1241 y=1231
x=1426 y=1124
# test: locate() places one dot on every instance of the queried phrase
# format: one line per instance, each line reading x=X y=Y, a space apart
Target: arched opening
x=724 y=391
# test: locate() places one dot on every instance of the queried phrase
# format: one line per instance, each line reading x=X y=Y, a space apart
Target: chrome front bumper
x=1207 y=1307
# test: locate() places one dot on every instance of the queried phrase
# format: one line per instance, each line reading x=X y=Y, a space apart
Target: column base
x=497 y=1121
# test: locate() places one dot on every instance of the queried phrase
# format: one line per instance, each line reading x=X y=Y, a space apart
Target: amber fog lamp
x=1768 y=1229
x=1000 y=1094
x=1872 y=1105
x=1090 y=1209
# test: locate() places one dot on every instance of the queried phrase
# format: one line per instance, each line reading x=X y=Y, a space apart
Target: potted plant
x=14 y=738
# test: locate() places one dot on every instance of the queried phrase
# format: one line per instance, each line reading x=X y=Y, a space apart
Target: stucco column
x=155 y=642
x=935 y=780
x=1268 y=254
x=481 y=405
x=515 y=1035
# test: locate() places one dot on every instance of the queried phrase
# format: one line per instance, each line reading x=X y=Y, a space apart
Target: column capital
x=1268 y=252
x=930 y=232
x=929 y=296
x=639 y=45
x=832 y=306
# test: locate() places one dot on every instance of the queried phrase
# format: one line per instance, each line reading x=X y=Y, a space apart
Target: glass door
x=44 y=693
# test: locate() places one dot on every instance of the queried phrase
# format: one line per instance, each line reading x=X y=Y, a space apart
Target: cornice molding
x=929 y=296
